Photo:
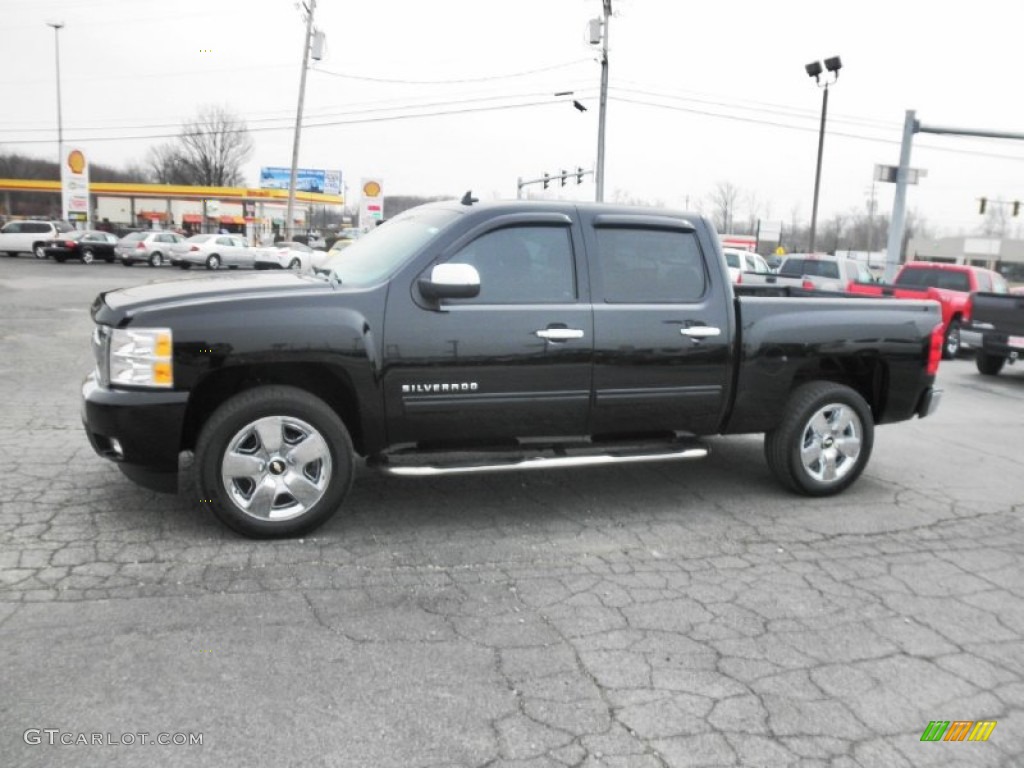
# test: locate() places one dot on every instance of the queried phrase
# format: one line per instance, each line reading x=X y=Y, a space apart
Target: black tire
x=12 y=254
x=38 y=251
x=294 y=264
x=88 y=257
x=294 y=417
x=989 y=365
x=797 y=450
x=185 y=265
x=213 y=261
x=127 y=262
x=156 y=259
x=951 y=342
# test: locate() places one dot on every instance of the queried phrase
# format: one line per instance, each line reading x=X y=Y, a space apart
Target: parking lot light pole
x=814 y=69
x=57 y=26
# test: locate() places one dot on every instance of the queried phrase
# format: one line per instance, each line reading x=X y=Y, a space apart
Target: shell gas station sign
x=74 y=180
x=371 y=211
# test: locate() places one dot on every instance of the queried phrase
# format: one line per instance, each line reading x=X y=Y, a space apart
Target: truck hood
x=112 y=306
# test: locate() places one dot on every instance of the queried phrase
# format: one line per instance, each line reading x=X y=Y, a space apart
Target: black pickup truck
x=999 y=318
x=468 y=337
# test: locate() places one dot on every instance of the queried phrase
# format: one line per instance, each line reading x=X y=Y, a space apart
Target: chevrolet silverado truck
x=463 y=337
x=999 y=318
x=948 y=284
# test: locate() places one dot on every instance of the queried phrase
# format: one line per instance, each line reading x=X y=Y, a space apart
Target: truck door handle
x=700 y=331
x=559 y=334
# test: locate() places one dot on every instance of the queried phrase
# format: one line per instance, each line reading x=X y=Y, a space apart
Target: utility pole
x=603 y=111
x=57 y=27
x=289 y=221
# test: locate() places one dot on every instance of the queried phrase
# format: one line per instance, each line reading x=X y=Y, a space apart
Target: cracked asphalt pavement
x=676 y=614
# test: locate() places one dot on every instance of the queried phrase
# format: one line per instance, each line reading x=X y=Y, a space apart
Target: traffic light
x=1016 y=207
x=548 y=178
x=981 y=208
x=579 y=175
x=563 y=177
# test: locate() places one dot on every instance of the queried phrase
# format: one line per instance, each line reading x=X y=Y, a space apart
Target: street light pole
x=603 y=110
x=57 y=26
x=289 y=223
x=814 y=69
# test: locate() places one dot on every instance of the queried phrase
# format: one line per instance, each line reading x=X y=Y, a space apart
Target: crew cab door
x=514 y=362
x=662 y=327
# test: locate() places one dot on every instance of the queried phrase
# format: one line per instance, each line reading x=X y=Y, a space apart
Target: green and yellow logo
x=958 y=730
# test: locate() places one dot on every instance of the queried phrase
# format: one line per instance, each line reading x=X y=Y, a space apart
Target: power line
x=485 y=79
x=327 y=115
x=309 y=126
x=759 y=121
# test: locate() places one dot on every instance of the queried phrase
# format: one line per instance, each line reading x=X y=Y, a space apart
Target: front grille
x=101 y=353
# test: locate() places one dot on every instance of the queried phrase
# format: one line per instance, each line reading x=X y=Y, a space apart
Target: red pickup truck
x=950 y=285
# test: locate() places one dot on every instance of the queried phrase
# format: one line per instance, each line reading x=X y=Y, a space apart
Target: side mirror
x=451 y=281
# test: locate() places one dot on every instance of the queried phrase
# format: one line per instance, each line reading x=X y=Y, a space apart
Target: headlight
x=141 y=357
x=101 y=353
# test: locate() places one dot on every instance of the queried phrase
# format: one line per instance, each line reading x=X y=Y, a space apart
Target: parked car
x=213 y=252
x=951 y=286
x=85 y=245
x=740 y=262
x=151 y=246
x=30 y=236
x=285 y=255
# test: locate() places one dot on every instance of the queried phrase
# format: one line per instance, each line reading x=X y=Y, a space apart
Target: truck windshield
x=377 y=254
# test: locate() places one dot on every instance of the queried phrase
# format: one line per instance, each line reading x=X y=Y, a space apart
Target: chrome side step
x=537 y=462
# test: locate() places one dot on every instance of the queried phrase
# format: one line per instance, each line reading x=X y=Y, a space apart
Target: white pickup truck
x=814 y=271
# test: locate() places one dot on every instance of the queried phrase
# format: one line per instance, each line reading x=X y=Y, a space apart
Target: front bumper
x=134 y=427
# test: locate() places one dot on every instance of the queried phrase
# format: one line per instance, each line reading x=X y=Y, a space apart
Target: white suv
x=30 y=236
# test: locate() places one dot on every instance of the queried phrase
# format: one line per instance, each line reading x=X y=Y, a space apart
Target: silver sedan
x=213 y=252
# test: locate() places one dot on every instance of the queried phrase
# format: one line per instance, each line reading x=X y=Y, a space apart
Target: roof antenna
x=468 y=199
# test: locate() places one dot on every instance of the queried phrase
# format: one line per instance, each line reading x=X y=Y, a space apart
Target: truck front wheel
x=274 y=461
x=824 y=439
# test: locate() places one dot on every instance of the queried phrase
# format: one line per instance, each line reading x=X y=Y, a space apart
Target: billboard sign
x=74 y=180
x=306 y=179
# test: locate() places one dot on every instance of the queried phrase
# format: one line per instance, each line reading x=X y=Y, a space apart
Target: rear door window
x=650 y=266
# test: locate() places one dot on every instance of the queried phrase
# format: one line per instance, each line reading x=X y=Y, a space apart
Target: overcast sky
x=442 y=96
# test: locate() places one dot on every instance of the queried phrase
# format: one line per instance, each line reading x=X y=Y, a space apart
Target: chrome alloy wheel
x=276 y=468
x=831 y=442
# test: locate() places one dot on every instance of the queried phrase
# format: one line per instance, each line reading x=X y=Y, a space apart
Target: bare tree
x=210 y=151
x=723 y=205
x=167 y=166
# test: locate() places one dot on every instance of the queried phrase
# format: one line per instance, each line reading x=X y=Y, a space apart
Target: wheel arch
x=329 y=383
x=867 y=375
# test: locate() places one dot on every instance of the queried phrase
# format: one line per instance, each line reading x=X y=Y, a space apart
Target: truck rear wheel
x=274 y=461
x=951 y=344
x=989 y=365
x=824 y=440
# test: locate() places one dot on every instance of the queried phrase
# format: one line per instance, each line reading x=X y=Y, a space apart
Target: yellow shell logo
x=371 y=189
x=76 y=161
